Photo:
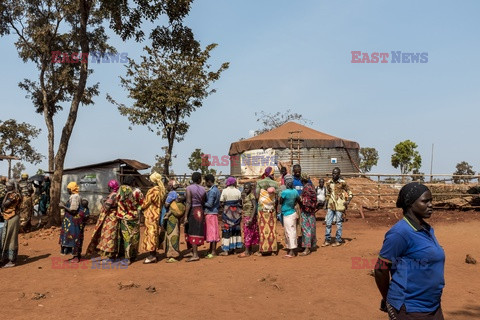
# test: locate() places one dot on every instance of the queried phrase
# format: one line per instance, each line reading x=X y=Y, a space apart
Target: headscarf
x=73 y=187
x=305 y=176
x=230 y=181
x=288 y=180
x=156 y=178
x=24 y=175
x=113 y=184
x=409 y=194
x=268 y=172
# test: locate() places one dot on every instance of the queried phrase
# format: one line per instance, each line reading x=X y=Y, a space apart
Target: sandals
x=287 y=256
x=192 y=259
x=244 y=255
x=304 y=254
x=171 y=260
x=148 y=261
x=209 y=256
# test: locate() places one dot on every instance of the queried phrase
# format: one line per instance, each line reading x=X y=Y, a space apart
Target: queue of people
x=294 y=203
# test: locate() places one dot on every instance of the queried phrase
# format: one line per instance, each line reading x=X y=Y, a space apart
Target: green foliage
x=197 y=162
x=167 y=86
x=406 y=157
x=271 y=121
x=159 y=165
x=463 y=169
x=418 y=176
x=17 y=170
x=15 y=140
x=368 y=159
x=78 y=26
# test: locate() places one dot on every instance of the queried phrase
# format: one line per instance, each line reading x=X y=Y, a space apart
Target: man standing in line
x=336 y=205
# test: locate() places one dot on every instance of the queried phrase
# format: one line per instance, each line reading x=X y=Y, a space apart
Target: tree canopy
x=15 y=140
x=368 y=158
x=274 y=120
x=167 y=86
x=42 y=27
x=406 y=157
x=463 y=169
x=199 y=162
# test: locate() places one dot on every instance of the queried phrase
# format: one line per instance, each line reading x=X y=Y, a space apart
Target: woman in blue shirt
x=413 y=258
x=288 y=198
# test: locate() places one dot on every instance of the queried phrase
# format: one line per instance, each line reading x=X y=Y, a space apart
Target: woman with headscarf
x=151 y=207
x=175 y=211
x=266 y=191
x=250 y=225
x=309 y=223
x=9 y=235
x=288 y=199
x=129 y=201
x=195 y=217
x=231 y=201
x=410 y=268
x=105 y=234
x=73 y=224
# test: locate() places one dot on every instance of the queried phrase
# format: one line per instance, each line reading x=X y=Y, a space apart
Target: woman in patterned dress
x=309 y=223
x=267 y=190
x=152 y=206
x=73 y=224
x=104 y=237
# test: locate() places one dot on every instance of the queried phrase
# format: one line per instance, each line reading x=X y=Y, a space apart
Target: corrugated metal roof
x=137 y=165
x=279 y=138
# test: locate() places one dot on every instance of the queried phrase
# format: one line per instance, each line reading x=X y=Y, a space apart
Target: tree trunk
x=55 y=189
x=51 y=142
x=168 y=157
x=9 y=169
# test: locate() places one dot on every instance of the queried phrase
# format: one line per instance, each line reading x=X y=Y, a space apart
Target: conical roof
x=279 y=138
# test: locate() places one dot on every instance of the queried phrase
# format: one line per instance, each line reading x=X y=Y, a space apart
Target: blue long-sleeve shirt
x=213 y=200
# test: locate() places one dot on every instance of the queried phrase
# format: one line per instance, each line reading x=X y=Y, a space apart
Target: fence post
x=378 y=190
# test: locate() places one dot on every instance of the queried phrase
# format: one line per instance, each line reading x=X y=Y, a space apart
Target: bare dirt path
x=320 y=286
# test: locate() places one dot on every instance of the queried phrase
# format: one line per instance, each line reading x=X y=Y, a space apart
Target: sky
x=296 y=55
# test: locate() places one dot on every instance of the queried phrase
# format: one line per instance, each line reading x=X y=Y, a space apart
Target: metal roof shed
x=92 y=179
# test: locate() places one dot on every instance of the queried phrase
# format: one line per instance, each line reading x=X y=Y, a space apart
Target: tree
x=167 y=86
x=418 y=176
x=199 y=161
x=159 y=163
x=73 y=27
x=271 y=121
x=15 y=140
x=463 y=169
x=17 y=170
x=406 y=157
x=368 y=159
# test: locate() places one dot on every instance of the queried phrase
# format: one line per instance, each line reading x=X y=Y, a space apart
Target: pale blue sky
x=296 y=54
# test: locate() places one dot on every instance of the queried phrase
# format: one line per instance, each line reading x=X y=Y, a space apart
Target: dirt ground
x=320 y=286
